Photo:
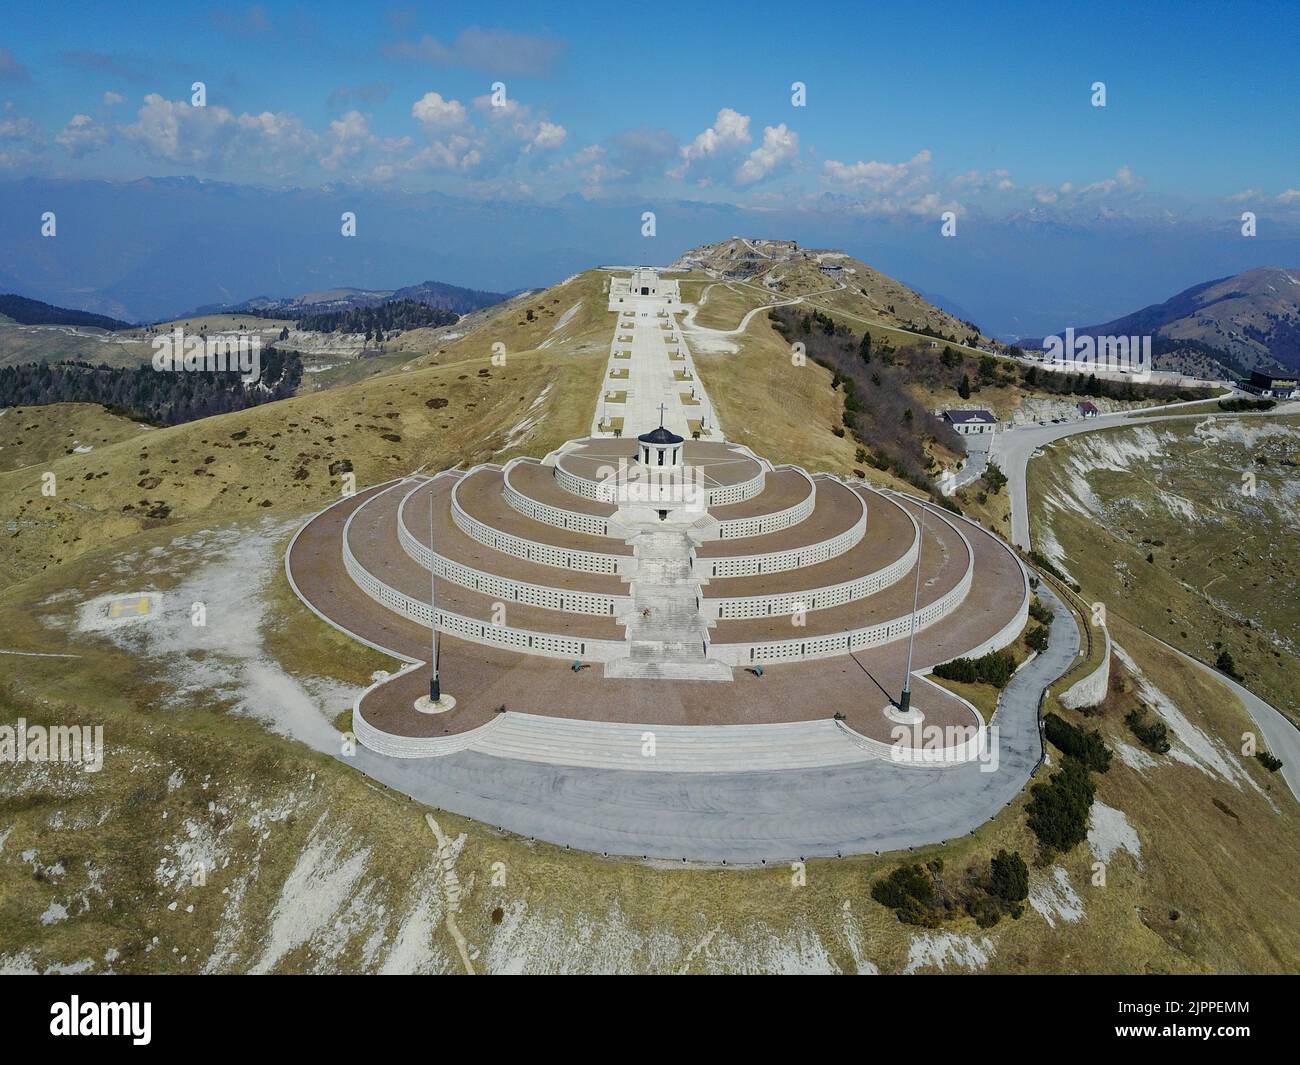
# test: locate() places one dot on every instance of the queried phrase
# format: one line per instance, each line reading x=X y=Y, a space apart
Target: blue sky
x=973 y=107
x=1068 y=213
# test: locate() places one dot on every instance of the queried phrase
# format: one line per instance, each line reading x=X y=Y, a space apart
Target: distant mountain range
x=33 y=312
x=1245 y=322
x=150 y=249
x=434 y=294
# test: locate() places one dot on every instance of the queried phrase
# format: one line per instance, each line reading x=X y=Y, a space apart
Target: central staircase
x=666 y=633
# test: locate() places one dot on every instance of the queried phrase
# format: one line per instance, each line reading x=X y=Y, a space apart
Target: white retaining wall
x=537 y=643
x=841 y=643
x=547 y=554
x=1094 y=687
x=395 y=746
x=760 y=524
x=549 y=515
x=778 y=561
x=504 y=588
x=758 y=606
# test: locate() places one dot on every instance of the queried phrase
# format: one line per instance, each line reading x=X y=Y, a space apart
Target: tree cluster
x=146 y=394
x=920 y=895
x=392 y=317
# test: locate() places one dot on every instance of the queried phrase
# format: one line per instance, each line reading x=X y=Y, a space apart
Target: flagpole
x=905 y=703
x=435 y=691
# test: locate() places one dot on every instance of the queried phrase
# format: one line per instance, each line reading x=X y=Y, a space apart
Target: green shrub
x=1268 y=760
x=1038 y=611
x=1058 y=809
x=1153 y=735
x=1225 y=664
x=904 y=883
x=994 y=668
x=1036 y=638
x=1008 y=877
x=1088 y=746
x=994 y=478
x=1234 y=405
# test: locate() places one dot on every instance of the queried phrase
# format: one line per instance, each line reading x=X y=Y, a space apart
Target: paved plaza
x=656 y=614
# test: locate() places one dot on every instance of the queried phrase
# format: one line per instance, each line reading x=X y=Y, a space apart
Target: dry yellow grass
x=281 y=454
x=1227 y=876
x=32 y=436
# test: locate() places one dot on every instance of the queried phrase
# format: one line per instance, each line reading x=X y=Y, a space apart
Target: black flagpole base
x=906 y=701
x=435 y=690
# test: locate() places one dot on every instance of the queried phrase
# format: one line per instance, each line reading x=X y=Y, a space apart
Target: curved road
x=747 y=818
x=1016 y=447
x=1013 y=449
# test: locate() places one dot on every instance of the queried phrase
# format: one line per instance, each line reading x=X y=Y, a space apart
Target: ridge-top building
x=643 y=286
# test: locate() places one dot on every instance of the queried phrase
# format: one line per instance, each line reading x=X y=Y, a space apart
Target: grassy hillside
x=1153 y=522
x=835 y=280
x=222 y=834
x=289 y=453
x=34 y=343
x=207 y=843
x=36 y=436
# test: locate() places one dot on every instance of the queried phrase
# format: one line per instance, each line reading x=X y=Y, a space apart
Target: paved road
x=977 y=459
x=745 y=817
x=1013 y=449
x=1281 y=737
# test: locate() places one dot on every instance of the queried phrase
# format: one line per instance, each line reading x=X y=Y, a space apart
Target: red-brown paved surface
x=782 y=489
x=479 y=494
x=483 y=678
x=538 y=482
x=943 y=564
x=722 y=463
x=460 y=547
x=836 y=510
x=373 y=538
x=888 y=537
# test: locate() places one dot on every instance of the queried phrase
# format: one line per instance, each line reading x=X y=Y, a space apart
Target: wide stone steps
x=667 y=667
x=676 y=748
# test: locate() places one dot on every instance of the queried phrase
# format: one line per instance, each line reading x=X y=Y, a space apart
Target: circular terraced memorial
x=660 y=603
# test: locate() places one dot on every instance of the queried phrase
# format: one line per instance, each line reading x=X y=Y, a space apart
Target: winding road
x=1014 y=449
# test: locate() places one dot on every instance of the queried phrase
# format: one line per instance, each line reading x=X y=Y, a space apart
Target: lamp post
x=905 y=703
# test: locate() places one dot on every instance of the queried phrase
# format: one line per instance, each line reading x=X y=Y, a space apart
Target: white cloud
x=983 y=181
x=112 y=99
x=22 y=143
x=215 y=138
x=730 y=130
x=433 y=112
x=889 y=189
x=350 y=139
x=876 y=176
x=16 y=127
x=779 y=146
x=82 y=135
x=1123 y=181
x=549 y=135
x=457 y=152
